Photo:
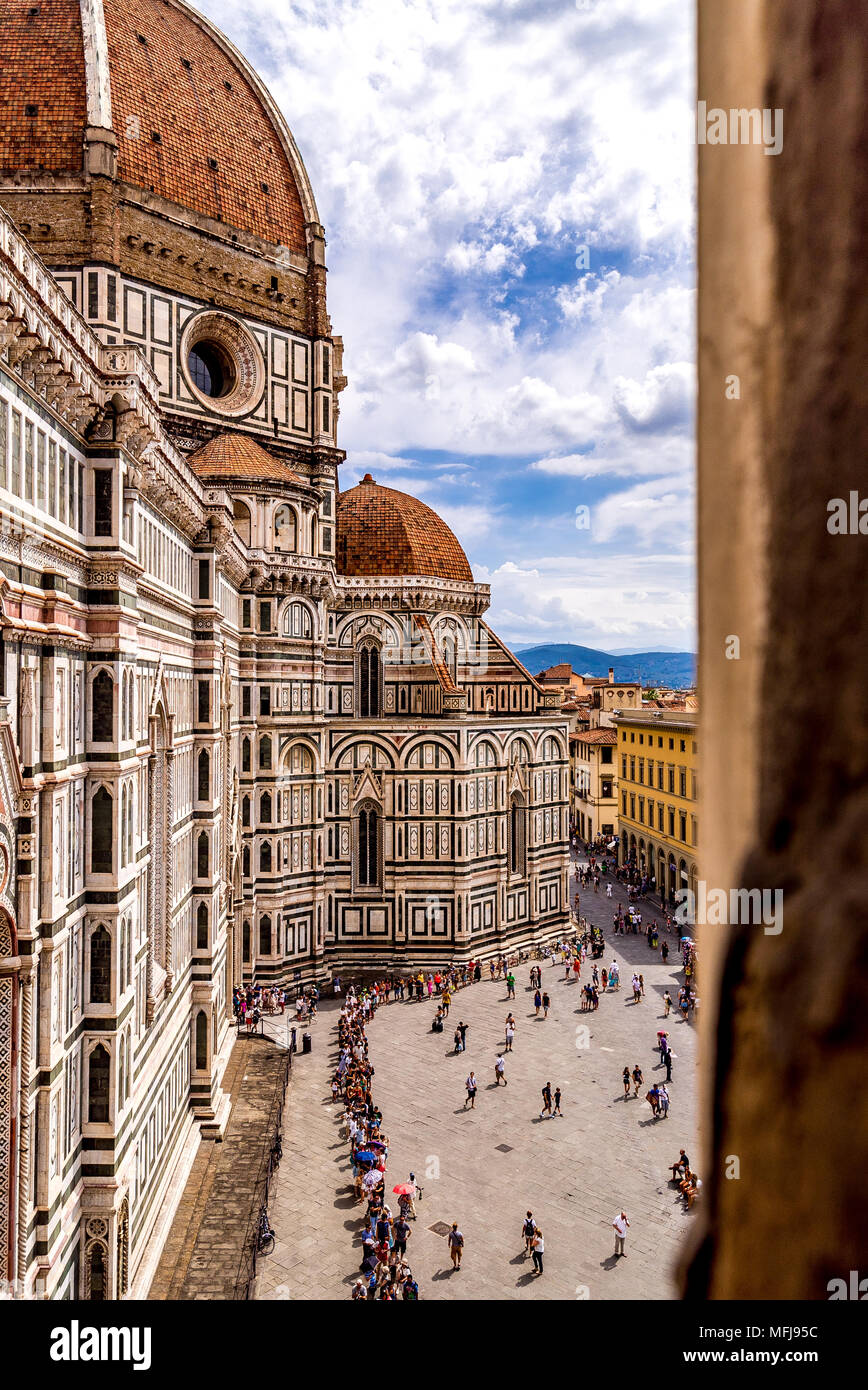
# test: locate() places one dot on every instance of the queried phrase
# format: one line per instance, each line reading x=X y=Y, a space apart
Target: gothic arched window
x=368 y=846
x=201 y=1041
x=100 y=967
x=516 y=836
x=99 y=1070
x=102 y=808
x=202 y=855
x=202 y=928
x=245 y=755
x=265 y=809
x=102 y=696
x=265 y=857
x=265 y=753
x=245 y=943
x=265 y=936
x=204 y=775
x=369 y=681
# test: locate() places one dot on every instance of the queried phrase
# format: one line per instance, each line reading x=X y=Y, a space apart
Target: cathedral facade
x=251 y=726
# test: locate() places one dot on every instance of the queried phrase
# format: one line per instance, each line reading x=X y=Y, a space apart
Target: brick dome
x=193 y=122
x=384 y=532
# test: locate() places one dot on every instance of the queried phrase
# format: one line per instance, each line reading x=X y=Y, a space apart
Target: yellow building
x=594 y=783
x=657 y=796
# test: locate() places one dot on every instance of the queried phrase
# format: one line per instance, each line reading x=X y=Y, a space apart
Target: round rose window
x=222 y=364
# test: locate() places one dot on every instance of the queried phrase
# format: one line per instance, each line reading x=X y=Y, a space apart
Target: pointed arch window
x=102 y=808
x=202 y=855
x=202 y=927
x=201 y=1041
x=245 y=810
x=265 y=809
x=245 y=943
x=98 y=1076
x=265 y=936
x=516 y=835
x=100 y=967
x=265 y=753
x=265 y=857
x=369 y=680
x=102 y=697
x=204 y=775
x=368 y=832
x=245 y=755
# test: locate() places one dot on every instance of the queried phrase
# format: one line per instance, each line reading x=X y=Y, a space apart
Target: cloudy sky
x=507 y=192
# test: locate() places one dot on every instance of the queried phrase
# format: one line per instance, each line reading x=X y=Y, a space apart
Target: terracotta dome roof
x=384 y=532
x=192 y=120
x=237 y=457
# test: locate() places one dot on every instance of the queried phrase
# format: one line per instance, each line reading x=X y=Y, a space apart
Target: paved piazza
x=574 y=1173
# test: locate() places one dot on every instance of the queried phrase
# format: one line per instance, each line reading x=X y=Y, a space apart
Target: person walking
x=546 y=1004
x=470 y=1084
x=402 y=1235
x=663 y=1096
x=637 y=989
x=462 y=1028
x=608 y=890
x=510 y=1032
x=621 y=1225
x=537 y=1003
x=527 y=1231
x=537 y=1248
x=547 y=1100
x=626 y=1080
x=557 y=1109
x=457 y=1040
x=510 y=986
x=498 y=1071
x=456 y=1245
x=668 y=1061
x=638 y=1078
x=667 y=1003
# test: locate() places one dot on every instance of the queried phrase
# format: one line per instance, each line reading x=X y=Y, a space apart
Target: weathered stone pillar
x=783 y=428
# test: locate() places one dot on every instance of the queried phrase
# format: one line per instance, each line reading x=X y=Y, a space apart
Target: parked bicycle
x=266 y=1238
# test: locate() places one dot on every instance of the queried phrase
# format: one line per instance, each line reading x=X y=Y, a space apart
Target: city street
x=486 y=1167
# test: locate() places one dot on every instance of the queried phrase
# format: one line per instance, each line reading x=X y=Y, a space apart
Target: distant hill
x=653 y=668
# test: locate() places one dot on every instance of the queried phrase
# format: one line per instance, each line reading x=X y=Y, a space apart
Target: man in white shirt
x=620 y=1224
x=498 y=1072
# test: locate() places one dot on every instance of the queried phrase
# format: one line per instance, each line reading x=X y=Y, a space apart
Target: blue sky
x=462 y=152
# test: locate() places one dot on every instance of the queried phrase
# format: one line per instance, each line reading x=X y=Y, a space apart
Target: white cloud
x=579 y=600
x=663 y=399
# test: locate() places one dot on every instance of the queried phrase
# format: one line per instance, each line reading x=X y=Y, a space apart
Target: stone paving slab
x=574 y=1172
x=202 y=1254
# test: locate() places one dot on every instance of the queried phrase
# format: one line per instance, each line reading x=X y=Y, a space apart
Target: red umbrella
x=404 y=1189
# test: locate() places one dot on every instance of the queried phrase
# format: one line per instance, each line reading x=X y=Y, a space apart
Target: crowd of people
x=385 y=1270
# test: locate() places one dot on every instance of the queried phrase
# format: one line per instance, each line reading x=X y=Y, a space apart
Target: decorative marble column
x=152 y=886
x=25 y=1064
x=170 y=861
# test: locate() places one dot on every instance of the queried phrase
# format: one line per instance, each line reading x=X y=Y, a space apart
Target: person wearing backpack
x=527 y=1231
